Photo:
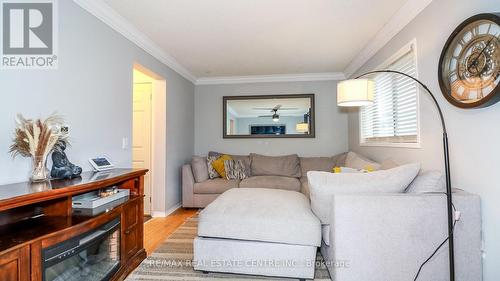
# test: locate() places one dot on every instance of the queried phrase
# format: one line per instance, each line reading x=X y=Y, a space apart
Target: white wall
x=93 y=90
x=331 y=123
x=474 y=134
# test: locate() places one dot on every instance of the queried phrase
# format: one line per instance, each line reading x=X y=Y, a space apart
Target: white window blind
x=393 y=116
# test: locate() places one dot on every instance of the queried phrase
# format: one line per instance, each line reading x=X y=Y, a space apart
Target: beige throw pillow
x=357 y=161
x=387 y=164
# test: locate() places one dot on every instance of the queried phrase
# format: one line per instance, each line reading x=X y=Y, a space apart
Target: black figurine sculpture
x=61 y=167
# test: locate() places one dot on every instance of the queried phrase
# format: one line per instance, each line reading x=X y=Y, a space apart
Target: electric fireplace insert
x=92 y=256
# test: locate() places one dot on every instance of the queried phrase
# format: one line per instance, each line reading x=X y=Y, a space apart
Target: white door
x=141 y=142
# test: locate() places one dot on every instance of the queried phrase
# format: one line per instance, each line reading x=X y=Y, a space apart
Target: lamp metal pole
x=449 y=200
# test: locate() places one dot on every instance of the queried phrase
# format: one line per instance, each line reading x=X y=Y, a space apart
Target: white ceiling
x=213 y=38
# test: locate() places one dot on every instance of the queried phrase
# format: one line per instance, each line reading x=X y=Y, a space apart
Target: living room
x=317 y=140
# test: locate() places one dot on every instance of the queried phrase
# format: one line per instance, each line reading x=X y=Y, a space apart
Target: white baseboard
x=157 y=214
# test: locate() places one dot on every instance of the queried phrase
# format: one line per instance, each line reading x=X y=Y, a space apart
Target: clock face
x=469 y=71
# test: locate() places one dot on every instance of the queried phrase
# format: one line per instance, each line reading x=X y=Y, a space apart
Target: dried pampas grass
x=37 y=138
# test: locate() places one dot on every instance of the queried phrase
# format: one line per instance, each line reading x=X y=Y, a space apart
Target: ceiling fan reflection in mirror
x=275 y=116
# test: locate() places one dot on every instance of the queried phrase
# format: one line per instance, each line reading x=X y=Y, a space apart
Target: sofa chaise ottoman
x=267 y=232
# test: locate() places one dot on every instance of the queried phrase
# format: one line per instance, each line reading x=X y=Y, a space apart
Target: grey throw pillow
x=427 y=181
x=214 y=154
x=324 y=185
x=212 y=173
x=200 y=168
x=236 y=169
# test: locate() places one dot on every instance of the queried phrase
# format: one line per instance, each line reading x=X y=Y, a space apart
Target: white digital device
x=101 y=163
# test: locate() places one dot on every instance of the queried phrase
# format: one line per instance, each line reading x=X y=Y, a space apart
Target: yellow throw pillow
x=337 y=170
x=369 y=168
x=219 y=165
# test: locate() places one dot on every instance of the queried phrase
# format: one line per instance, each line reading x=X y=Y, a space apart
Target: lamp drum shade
x=355 y=92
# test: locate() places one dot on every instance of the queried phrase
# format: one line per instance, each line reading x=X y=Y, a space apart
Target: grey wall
x=331 y=123
x=474 y=134
x=93 y=90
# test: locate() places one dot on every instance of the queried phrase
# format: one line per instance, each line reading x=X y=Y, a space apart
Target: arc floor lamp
x=359 y=92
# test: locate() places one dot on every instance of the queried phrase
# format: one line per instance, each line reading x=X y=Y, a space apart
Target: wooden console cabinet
x=35 y=216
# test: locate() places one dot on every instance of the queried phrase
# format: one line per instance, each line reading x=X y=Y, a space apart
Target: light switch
x=124 y=143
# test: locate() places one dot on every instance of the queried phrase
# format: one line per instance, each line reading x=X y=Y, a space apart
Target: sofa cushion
x=215 y=186
x=428 y=181
x=287 y=166
x=271 y=182
x=357 y=161
x=324 y=164
x=304 y=186
x=324 y=185
x=267 y=215
x=200 y=168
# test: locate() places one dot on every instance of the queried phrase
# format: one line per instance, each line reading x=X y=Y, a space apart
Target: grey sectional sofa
x=367 y=236
x=280 y=172
x=380 y=237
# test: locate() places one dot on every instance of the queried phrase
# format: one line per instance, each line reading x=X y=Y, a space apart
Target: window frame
x=412 y=45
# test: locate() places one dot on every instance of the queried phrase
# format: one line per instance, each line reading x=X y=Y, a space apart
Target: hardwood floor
x=156 y=230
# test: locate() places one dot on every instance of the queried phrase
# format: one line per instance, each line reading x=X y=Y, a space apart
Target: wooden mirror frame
x=312 y=130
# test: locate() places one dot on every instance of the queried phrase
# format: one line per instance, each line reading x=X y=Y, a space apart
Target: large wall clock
x=469 y=66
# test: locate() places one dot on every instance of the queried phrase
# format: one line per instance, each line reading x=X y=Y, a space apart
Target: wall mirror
x=270 y=116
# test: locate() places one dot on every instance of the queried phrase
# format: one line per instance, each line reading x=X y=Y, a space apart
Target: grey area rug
x=172 y=261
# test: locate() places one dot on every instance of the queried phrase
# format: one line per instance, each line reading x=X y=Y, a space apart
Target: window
x=392 y=119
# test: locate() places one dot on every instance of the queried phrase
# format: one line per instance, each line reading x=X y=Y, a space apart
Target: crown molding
x=106 y=14
x=110 y=17
x=324 y=76
x=400 y=19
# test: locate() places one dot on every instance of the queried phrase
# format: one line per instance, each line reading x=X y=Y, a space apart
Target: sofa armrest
x=187 y=186
x=388 y=236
